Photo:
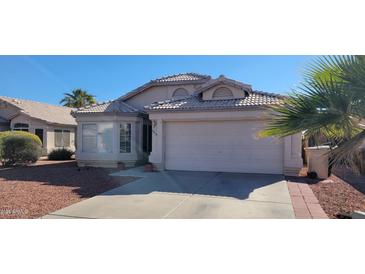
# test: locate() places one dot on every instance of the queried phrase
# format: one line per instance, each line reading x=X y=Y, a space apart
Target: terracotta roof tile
x=195 y=102
x=182 y=77
x=108 y=107
x=42 y=111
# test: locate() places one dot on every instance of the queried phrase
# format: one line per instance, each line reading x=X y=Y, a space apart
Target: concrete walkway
x=185 y=194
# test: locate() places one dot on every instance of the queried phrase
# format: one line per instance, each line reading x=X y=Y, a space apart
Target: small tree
x=78 y=98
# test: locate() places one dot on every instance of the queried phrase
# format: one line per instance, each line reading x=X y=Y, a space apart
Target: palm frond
x=330 y=102
x=78 y=98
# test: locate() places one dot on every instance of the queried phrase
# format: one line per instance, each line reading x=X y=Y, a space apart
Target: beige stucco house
x=54 y=125
x=187 y=122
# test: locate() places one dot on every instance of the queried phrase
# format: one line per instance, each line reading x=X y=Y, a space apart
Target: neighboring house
x=187 y=122
x=54 y=125
x=4 y=124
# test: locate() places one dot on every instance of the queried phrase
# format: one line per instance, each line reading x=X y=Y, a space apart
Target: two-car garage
x=222 y=146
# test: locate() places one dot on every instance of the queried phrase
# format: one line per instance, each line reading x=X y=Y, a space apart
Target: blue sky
x=46 y=78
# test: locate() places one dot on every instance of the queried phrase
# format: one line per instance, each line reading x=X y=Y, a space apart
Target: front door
x=39 y=133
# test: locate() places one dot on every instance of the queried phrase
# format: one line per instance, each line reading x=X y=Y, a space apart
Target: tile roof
x=182 y=77
x=42 y=111
x=195 y=102
x=3 y=121
x=115 y=106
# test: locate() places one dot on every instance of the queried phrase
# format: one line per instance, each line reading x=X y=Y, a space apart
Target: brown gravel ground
x=342 y=193
x=34 y=191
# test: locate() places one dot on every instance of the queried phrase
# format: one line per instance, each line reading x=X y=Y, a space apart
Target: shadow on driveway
x=233 y=185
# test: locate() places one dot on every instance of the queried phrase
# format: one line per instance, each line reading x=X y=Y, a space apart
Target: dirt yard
x=340 y=194
x=34 y=191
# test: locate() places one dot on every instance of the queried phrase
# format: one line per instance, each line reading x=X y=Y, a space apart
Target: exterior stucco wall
x=208 y=94
x=291 y=145
x=156 y=94
x=48 y=131
x=293 y=154
x=115 y=157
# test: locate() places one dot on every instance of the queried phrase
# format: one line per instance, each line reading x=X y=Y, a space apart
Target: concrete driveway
x=185 y=194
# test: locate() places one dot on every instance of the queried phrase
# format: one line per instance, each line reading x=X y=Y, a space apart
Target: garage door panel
x=227 y=146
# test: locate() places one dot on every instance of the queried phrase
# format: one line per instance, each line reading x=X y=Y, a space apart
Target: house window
x=180 y=93
x=222 y=93
x=21 y=127
x=89 y=137
x=125 y=138
x=105 y=137
x=62 y=138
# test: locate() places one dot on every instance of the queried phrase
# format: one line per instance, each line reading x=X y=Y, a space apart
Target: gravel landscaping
x=340 y=194
x=34 y=191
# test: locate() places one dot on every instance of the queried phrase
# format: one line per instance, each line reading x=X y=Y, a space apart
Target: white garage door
x=226 y=146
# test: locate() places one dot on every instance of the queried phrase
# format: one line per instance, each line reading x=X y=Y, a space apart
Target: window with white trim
x=21 y=127
x=89 y=138
x=125 y=138
x=62 y=138
x=105 y=137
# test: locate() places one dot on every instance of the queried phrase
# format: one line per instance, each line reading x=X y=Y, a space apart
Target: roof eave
x=46 y=121
x=129 y=114
x=262 y=107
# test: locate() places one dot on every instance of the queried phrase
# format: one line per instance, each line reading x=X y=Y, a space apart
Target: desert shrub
x=34 y=137
x=60 y=154
x=19 y=149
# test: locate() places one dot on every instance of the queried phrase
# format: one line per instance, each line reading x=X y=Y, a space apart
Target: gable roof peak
x=223 y=80
x=182 y=77
x=175 y=79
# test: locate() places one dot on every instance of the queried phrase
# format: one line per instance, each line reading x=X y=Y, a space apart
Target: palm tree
x=331 y=103
x=77 y=98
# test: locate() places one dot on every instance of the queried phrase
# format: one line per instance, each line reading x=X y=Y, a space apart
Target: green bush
x=25 y=134
x=19 y=149
x=60 y=154
x=20 y=133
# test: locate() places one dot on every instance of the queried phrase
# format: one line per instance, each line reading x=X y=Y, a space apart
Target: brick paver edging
x=305 y=204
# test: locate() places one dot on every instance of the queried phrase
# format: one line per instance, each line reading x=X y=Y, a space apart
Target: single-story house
x=54 y=125
x=187 y=122
x=4 y=124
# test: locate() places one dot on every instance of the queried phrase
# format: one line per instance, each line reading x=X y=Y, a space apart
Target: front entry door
x=39 y=133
